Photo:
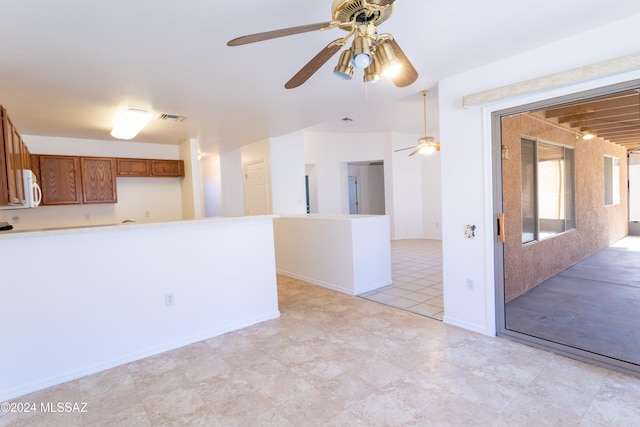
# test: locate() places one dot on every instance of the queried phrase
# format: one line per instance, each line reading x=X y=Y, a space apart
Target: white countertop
x=58 y=231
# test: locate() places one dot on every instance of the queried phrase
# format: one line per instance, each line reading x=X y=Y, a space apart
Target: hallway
x=593 y=306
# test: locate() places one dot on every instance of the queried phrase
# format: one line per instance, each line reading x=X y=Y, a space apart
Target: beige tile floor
x=336 y=360
x=416 y=272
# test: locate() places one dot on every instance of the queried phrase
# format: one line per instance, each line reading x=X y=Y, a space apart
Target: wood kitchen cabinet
x=71 y=180
x=98 y=180
x=173 y=168
x=133 y=167
x=150 y=167
x=12 y=162
x=60 y=180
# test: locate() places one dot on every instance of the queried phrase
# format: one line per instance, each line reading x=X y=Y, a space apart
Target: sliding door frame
x=500 y=303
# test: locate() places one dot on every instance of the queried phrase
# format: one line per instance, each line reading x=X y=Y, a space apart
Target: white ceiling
x=67 y=66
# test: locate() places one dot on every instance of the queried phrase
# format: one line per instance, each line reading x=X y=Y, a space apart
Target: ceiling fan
x=377 y=54
x=426 y=144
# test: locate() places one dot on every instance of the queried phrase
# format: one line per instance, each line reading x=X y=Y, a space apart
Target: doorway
x=562 y=212
x=365 y=187
x=354 y=195
x=256 y=199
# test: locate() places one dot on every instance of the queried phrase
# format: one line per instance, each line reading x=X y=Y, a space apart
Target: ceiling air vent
x=171 y=117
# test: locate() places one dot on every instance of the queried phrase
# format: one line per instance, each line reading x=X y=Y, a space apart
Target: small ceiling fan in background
x=426 y=144
x=377 y=54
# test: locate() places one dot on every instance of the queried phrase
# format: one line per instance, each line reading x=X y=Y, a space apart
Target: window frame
x=568 y=178
x=612 y=186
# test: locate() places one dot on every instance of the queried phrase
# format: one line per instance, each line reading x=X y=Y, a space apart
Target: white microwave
x=32 y=192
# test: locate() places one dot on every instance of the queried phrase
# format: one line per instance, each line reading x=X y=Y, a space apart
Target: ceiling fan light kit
x=361 y=51
x=426 y=144
x=377 y=55
x=390 y=66
x=344 y=69
x=372 y=72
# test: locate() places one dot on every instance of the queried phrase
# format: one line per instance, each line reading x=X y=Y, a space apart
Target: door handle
x=501 y=227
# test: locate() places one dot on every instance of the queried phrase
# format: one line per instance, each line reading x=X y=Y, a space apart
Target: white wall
x=373 y=187
x=231 y=183
x=97 y=297
x=347 y=253
x=407 y=187
x=466 y=157
x=211 y=185
x=139 y=199
x=192 y=196
x=329 y=155
x=432 y=196
x=287 y=174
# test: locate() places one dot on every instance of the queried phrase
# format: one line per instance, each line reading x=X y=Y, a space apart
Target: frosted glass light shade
x=130 y=122
x=426 y=150
x=361 y=60
x=361 y=49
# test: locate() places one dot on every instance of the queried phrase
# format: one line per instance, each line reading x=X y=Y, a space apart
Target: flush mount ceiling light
x=130 y=122
x=377 y=54
x=588 y=135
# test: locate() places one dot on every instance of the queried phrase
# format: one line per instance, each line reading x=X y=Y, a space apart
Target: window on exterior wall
x=611 y=180
x=548 y=189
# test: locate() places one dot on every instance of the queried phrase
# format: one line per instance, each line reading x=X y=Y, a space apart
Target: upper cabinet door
x=60 y=180
x=98 y=180
x=173 y=168
x=13 y=162
x=133 y=167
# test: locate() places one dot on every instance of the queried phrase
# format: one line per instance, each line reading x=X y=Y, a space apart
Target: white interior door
x=256 y=201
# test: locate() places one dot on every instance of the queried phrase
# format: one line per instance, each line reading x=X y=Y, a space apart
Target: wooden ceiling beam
x=584 y=108
x=611 y=114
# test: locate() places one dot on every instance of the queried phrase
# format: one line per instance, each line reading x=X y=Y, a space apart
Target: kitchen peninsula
x=80 y=300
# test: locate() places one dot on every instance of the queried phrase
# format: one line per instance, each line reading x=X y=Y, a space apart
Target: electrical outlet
x=87 y=216
x=470 y=285
x=169 y=300
x=147 y=214
x=15 y=219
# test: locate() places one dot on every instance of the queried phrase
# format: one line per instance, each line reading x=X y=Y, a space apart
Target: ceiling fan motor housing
x=361 y=11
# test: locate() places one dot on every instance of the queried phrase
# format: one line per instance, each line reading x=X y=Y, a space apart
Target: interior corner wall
x=287 y=174
x=330 y=153
x=211 y=185
x=192 y=197
x=432 y=196
x=467 y=174
x=231 y=184
x=310 y=172
x=139 y=199
x=407 y=187
x=370 y=188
